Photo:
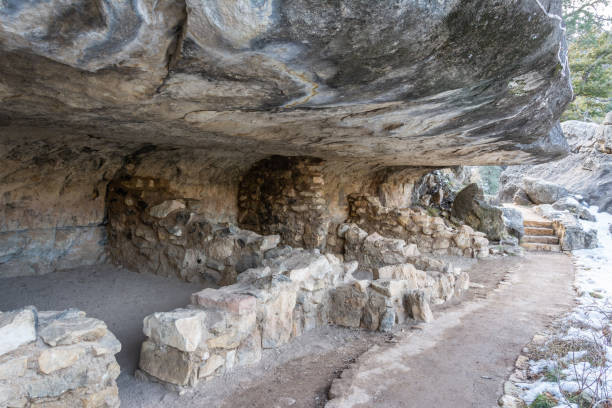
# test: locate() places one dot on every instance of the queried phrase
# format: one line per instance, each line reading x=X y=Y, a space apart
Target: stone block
x=17 y=328
x=60 y=357
x=389 y=287
x=211 y=365
x=249 y=351
x=66 y=331
x=374 y=310
x=275 y=317
x=418 y=305
x=182 y=329
x=403 y=271
x=224 y=300
x=164 y=209
x=346 y=306
x=168 y=364
x=13 y=367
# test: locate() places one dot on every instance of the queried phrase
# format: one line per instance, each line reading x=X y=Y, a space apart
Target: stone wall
x=285 y=196
x=155 y=229
x=57 y=359
x=429 y=233
x=295 y=290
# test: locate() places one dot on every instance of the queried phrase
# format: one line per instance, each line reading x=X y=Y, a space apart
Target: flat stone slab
x=224 y=301
x=17 y=328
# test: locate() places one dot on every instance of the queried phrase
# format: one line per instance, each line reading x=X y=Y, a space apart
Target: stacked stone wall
x=152 y=228
x=429 y=233
x=295 y=290
x=57 y=359
x=285 y=196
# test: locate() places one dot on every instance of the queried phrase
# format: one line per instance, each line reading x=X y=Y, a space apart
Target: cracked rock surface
x=393 y=83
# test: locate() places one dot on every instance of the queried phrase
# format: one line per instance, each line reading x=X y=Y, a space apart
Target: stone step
x=536 y=223
x=532 y=246
x=539 y=231
x=541 y=239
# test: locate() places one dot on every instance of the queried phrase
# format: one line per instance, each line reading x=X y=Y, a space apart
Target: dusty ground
x=462 y=359
x=118 y=297
x=467 y=354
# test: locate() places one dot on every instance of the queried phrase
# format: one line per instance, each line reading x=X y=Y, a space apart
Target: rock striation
x=57 y=359
x=395 y=84
x=235 y=106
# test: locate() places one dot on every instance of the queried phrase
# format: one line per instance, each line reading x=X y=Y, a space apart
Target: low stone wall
x=429 y=233
x=285 y=196
x=57 y=359
x=294 y=291
x=151 y=229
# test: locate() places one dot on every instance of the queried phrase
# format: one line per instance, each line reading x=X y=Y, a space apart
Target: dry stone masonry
x=57 y=359
x=428 y=233
x=151 y=230
x=285 y=196
x=295 y=290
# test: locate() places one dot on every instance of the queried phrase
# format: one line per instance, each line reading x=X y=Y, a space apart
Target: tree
x=589 y=34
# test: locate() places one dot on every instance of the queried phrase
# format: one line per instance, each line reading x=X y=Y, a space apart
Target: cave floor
x=119 y=297
x=462 y=357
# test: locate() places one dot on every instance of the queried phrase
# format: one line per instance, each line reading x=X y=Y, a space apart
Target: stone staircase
x=540 y=236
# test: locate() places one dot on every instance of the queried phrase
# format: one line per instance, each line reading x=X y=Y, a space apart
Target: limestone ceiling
x=401 y=82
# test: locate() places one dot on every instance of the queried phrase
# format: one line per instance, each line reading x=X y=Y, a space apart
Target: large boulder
x=470 y=207
x=513 y=219
x=572 y=205
x=586 y=171
x=542 y=191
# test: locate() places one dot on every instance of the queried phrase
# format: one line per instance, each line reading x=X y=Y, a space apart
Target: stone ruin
x=295 y=290
x=238 y=144
x=60 y=359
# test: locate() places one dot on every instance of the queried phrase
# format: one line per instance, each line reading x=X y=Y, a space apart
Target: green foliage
x=579 y=400
x=543 y=401
x=552 y=376
x=589 y=33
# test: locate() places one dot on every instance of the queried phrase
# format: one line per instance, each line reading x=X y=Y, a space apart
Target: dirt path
x=450 y=359
x=462 y=359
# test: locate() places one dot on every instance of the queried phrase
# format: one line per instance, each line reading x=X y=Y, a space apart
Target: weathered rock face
x=52 y=200
x=192 y=96
x=395 y=84
x=543 y=192
x=586 y=171
x=513 y=219
x=572 y=205
x=57 y=359
x=470 y=206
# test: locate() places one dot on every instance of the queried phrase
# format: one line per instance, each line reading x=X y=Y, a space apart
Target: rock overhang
x=391 y=83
